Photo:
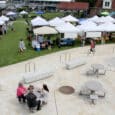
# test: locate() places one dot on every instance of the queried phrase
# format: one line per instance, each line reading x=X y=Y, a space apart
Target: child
x=21 y=90
x=21 y=46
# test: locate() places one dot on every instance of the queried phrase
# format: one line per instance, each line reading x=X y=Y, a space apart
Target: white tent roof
x=70 y=18
x=23 y=12
x=1 y=22
x=11 y=13
x=38 y=21
x=56 y=22
x=109 y=18
x=102 y=19
x=88 y=23
x=93 y=18
x=66 y=28
x=4 y=18
x=87 y=26
x=108 y=27
x=45 y=30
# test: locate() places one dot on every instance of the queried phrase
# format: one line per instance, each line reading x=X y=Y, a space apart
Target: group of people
x=40 y=43
x=34 y=97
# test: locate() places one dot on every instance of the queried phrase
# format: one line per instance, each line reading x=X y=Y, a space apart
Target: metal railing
x=65 y=57
x=29 y=67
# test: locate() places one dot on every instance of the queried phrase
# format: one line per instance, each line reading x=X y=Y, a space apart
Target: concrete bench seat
x=35 y=76
x=75 y=63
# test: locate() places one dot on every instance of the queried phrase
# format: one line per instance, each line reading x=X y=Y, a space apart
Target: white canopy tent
x=107 y=27
x=93 y=18
x=102 y=19
x=68 y=29
x=45 y=30
x=4 y=18
x=90 y=29
x=88 y=22
x=89 y=26
x=11 y=13
x=2 y=22
x=70 y=18
x=93 y=35
x=23 y=12
x=56 y=22
x=110 y=19
x=38 y=21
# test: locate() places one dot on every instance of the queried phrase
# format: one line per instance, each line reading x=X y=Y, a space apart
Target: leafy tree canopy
x=91 y=2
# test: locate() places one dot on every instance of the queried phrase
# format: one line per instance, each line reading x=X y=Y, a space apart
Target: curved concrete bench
x=75 y=63
x=35 y=76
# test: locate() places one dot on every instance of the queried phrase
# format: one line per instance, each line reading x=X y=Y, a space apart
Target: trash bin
x=38 y=47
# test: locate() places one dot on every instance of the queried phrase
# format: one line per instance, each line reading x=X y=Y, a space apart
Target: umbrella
x=105 y=13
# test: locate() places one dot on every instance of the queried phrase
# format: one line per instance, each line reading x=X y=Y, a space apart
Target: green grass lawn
x=9 y=46
x=47 y=16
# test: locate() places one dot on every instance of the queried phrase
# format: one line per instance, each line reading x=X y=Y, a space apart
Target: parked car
x=67 y=42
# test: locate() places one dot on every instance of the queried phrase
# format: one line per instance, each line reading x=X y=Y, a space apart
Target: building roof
x=73 y=5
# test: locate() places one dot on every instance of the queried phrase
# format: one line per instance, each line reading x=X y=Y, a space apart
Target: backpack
x=31 y=99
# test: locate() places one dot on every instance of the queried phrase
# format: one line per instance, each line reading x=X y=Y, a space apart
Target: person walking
x=92 y=46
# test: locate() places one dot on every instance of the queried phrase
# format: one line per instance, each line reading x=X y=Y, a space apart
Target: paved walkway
x=60 y=104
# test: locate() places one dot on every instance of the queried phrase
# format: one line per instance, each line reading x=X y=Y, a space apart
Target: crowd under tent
x=38 y=21
x=56 y=22
x=70 y=18
x=45 y=30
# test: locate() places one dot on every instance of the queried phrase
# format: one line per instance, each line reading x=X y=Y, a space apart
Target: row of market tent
x=64 y=25
x=4 y=19
x=11 y=13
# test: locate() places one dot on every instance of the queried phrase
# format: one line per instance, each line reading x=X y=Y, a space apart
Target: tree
x=91 y=2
